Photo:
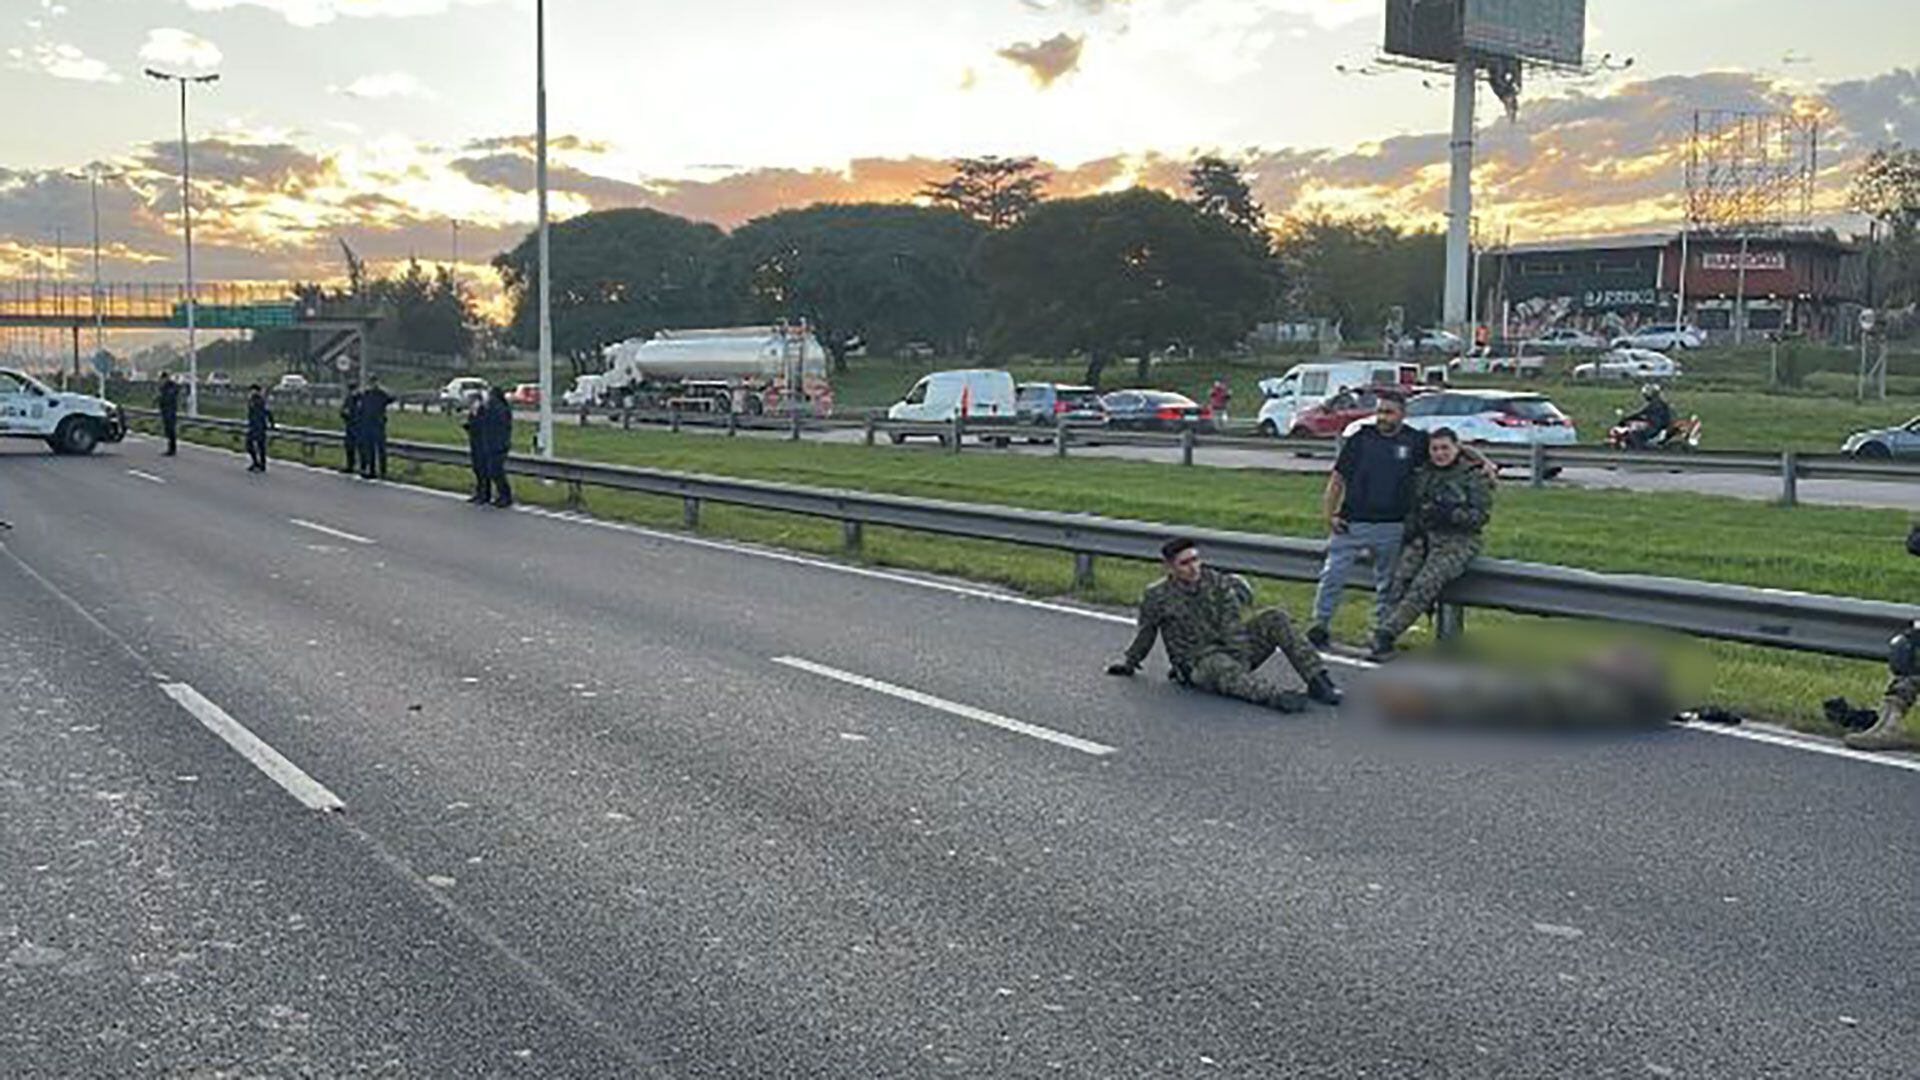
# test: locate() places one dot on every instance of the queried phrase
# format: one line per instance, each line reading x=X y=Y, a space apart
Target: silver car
x=1884 y=443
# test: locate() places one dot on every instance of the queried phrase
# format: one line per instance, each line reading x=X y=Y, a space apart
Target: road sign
x=343 y=363
x=1866 y=320
x=103 y=363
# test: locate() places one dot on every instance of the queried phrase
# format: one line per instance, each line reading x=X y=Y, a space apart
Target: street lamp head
x=212 y=77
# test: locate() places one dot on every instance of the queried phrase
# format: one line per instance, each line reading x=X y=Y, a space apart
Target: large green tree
x=1356 y=270
x=1219 y=188
x=616 y=274
x=878 y=274
x=1887 y=189
x=994 y=191
x=1131 y=273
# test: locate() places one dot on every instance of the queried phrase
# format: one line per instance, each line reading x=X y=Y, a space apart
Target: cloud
x=1046 y=61
x=387 y=85
x=63 y=62
x=321 y=12
x=178 y=48
x=525 y=144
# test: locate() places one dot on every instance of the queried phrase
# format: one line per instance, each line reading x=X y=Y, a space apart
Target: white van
x=977 y=393
x=1307 y=385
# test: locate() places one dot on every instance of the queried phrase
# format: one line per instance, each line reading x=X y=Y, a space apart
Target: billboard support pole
x=1459 y=198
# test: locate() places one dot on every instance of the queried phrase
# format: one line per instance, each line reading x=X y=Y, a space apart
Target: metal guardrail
x=1831 y=625
x=1541 y=462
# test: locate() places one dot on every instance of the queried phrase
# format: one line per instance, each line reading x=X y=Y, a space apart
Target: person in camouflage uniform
x=1197 y=611
x=1889 y=731
x=1452 y=503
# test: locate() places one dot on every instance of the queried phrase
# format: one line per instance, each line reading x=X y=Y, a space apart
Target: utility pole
x=1460 y=197
x=546 y=319
x=92 y=176
x=186 y=217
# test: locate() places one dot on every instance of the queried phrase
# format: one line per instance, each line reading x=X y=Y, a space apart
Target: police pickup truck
x=70 y=423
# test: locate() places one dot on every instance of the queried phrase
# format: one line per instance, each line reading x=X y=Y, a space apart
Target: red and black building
x=1810 y=283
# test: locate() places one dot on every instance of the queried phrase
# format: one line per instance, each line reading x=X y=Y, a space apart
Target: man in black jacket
x=497 y=422
x=373 y=429
x=259 y=422
x=350 y=426
x=170 y=412
x=478 y=455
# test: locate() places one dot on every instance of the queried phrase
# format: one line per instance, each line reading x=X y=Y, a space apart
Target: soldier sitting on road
x=1903 y=661
x=1198 y=612
x=1452 y=503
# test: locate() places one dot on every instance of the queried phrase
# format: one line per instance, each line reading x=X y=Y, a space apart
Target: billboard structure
x=1748 y=170
x=1501 y=38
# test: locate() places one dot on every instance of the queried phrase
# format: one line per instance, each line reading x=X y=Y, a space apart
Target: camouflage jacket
x=1192 y=621
x=1456 y=500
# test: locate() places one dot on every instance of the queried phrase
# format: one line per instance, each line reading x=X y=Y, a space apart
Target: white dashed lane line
x=328 y=531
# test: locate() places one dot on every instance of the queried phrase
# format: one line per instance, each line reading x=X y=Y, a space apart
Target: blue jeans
x=1382 y=540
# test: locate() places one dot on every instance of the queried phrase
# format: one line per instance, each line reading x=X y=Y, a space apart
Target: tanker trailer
x=746 y=369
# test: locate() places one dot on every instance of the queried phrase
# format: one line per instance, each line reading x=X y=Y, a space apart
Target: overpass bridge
x=334 y=330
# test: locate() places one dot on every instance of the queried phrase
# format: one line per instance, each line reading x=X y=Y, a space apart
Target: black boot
x=1318 y=637
x=1321 y=689
x=1382 y=646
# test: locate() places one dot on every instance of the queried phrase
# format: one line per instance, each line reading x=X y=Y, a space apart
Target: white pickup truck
x=70 y=423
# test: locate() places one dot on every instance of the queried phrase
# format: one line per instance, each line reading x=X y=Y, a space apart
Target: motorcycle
x=1682 y=434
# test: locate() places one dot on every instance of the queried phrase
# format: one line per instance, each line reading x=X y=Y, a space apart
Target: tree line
x=988 y=266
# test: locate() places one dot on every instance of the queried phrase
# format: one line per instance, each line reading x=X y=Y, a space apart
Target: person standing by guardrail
x=1196 y=611
x=1452 y=503
x=497 y=440
x=259 y=422
x=350 y=426
x=373 y=429
x=169 y=404
x=478 y=453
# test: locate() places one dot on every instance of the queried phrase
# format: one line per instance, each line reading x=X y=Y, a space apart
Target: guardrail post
x=1060 y=436
x=306 y=450
x=626 y=416
x=584 y=411
x=1537 y=465
x=574 y=497
x=1082 y=570
x=793 y=429
x=851 y=535
x=1789 y=478
x=690 y=511
x=870 y=429
x=1449 y=622
x=1186 y=446
x=673 y=419
x=959 y=432
x=733 y=423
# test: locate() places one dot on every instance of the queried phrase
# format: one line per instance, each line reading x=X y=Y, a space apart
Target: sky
x=384 y=123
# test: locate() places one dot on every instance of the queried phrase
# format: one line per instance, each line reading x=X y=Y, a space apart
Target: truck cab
x=69 y=423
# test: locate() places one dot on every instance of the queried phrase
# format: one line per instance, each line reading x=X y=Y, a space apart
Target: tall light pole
x=1453 y=306
x=546 y=314
x=92 y=176
x=186 y=217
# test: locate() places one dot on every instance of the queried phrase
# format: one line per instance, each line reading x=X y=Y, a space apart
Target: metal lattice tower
x=1751 y=170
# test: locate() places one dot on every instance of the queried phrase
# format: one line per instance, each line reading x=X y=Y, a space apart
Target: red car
x=526 y=393
x=1331 y=417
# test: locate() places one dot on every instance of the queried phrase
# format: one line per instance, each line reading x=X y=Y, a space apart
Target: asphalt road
x=622 y=803
x=1859 y=493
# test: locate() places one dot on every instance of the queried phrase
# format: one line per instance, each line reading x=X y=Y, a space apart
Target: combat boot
x=1887 y=734
x=1321 y=689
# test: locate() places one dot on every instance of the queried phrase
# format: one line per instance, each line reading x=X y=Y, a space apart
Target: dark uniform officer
x=1197 y=612
x=1889 y=731
x=1452 y=503
x=373 y=429
x=350 y=426
x=259 y=422
x=169 y=403
x=497 y=426
x=477 y=452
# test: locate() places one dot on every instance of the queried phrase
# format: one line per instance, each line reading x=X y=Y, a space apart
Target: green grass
x=1817 y=549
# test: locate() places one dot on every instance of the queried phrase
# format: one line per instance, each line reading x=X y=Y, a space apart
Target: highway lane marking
x=1771 y=738
x=336 y=533
x=311 y=793
x=1005 y=723
x=147 y=476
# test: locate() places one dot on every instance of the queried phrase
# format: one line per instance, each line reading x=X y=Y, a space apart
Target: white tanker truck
x=744 y=369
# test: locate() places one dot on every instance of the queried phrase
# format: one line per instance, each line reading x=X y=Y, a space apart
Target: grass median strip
x=1814 y=549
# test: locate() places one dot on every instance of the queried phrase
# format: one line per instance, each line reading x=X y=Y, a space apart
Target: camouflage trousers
x=1904 y=689
x=1229 y=673
x=1427 y=563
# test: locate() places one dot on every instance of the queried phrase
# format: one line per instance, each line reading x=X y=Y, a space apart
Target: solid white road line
x=147 y=476
x=330 y=532
x=1020 y=727
x=1771 y=738
x=309 y=791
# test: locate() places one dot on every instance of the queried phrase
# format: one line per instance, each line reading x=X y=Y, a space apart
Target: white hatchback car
x=1630 y=364
x=1495 y=417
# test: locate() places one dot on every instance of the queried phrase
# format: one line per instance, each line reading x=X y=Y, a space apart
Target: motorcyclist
x=1651 y=422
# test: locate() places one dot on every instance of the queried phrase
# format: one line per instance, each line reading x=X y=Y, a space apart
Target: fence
x=1831 y=625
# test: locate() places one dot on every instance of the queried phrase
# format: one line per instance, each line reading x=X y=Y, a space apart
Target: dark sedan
x=1155 y=410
